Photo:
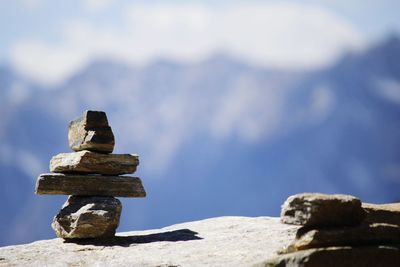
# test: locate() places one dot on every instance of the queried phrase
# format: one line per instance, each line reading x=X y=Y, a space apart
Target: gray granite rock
x=223 y=241
x=382 y=213
x=314 y=209
x=91 y=132
x=377 y=256
x=87 y=217
x=89 y=185
x=361 y=235
x=94 y=163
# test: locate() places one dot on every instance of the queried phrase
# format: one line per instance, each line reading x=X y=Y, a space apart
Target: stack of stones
x=92 y=178
x=340 y=230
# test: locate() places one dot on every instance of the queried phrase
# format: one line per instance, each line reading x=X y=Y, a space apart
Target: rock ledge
x=222 y=241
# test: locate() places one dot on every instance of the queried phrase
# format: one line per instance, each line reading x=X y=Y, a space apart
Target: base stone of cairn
x=91 y=176
x=88 y=217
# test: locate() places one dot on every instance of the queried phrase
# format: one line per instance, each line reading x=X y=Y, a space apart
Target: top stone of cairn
x=91 y=132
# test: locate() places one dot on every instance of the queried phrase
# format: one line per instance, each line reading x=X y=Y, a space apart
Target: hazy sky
x=50 y=40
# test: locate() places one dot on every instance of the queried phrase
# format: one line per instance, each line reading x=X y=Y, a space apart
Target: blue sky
x=50 y=40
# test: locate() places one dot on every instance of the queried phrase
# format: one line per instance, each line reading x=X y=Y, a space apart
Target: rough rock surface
x=377 y=256
x=383 y=213
x=374 y=234
x=94 y=163
x=89 y=185
x=91 y=132
x=88 y=217
x=313 y=209
x=224 y=241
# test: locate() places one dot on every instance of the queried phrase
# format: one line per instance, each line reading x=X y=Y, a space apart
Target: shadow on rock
x=126 y=241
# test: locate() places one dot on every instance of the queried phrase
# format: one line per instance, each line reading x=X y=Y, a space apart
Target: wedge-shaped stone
x=313 y=209
x=383 y=213
x=95 y=163
x=89 y=185
x=91 y=132
x=87 y=217
x=377 y=256
x=374 y=234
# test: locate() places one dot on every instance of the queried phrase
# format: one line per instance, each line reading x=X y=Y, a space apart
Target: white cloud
x=322 y=102
x=31 y=166
x=97 y=5
x=31 y=4
x=280 y=35
x=388 y=89
x=18 y=93
x=46 y=62
x=249 y=111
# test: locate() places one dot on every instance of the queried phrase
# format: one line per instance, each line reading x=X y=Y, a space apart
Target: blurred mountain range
x=215 y=138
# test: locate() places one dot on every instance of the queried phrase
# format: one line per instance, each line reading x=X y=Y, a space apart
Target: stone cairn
x=340 y=230
x=92 y=177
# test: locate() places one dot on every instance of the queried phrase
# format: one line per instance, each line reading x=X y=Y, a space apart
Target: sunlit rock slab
x=360 y=235
x=89 y=185
x=94 y=163
x=382 y=213
x=223 y=241
x=377 y=256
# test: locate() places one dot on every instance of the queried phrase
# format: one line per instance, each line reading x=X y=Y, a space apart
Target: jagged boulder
x=88 y=217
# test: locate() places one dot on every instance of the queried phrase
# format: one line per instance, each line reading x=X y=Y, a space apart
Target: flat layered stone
x=88 y=217
x=94 y=163
x=377 y=256
x=89 y=185
x=374 y=234
x=91 y=132
x=314 y=209
x=382 y=213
